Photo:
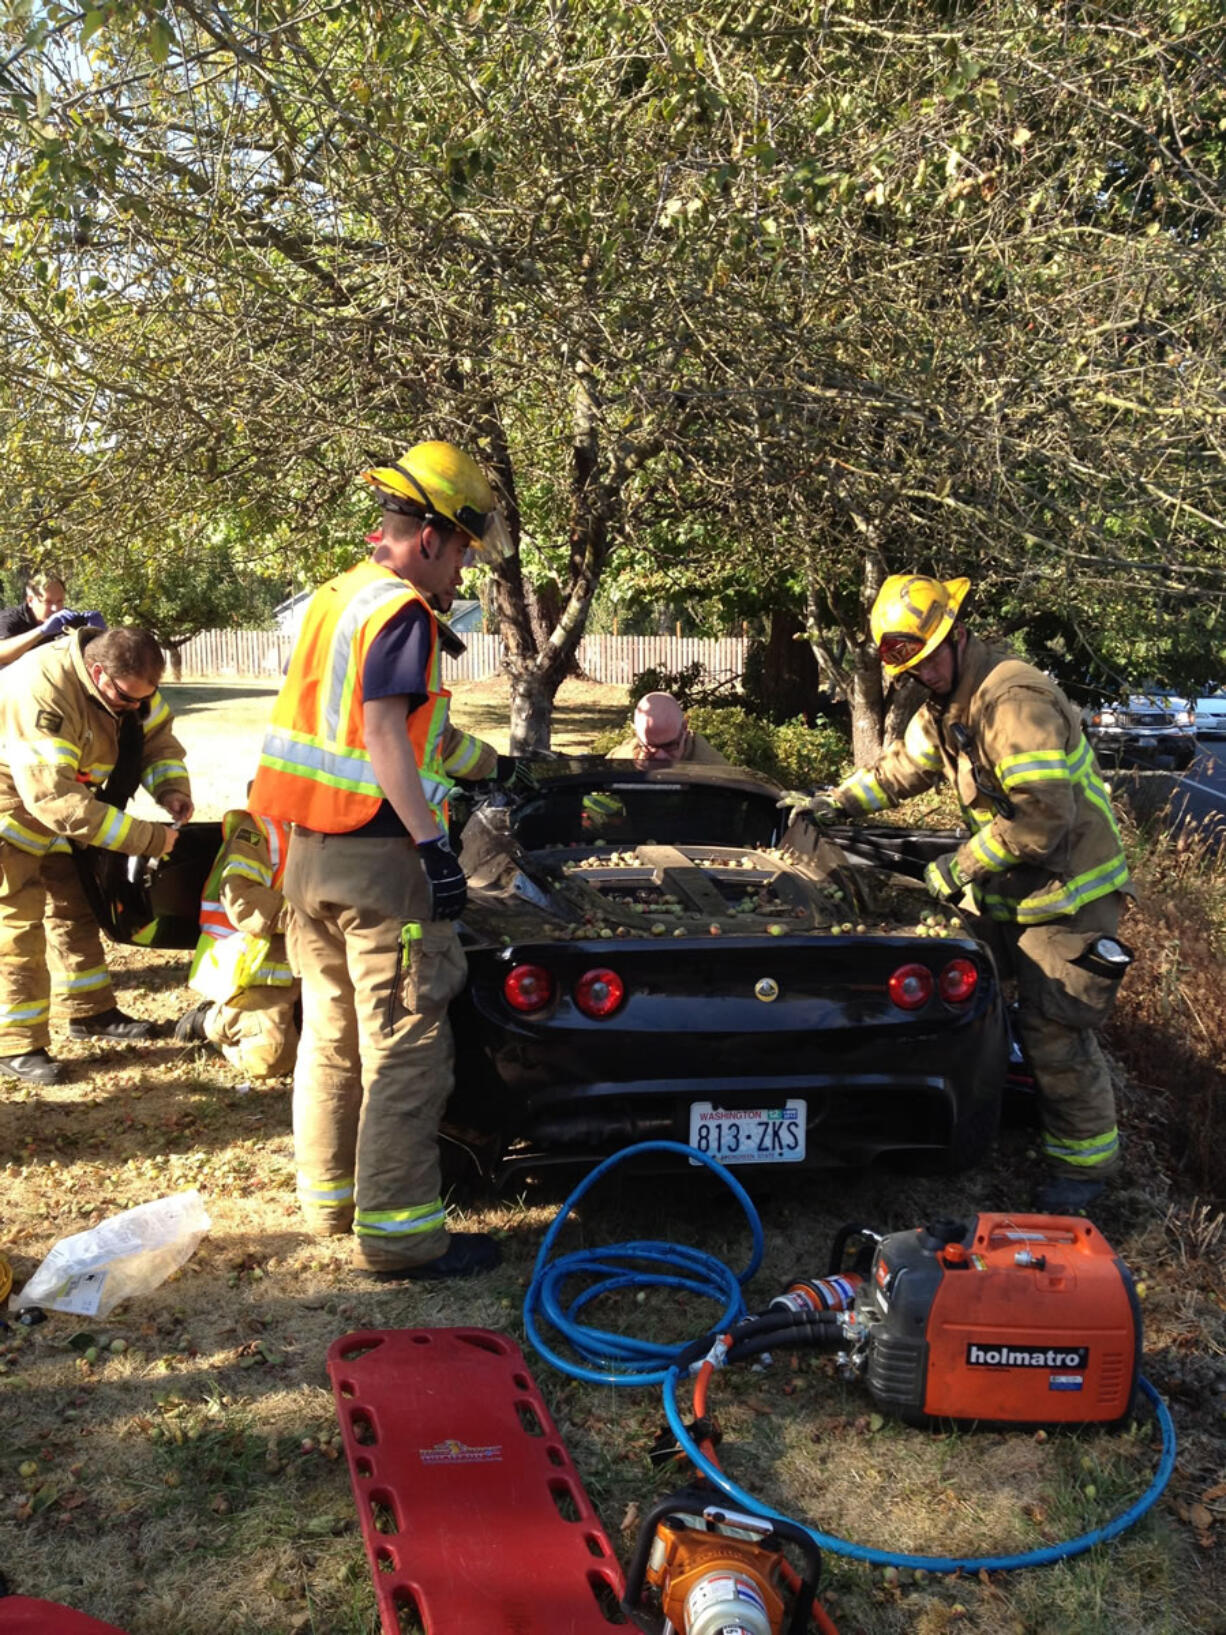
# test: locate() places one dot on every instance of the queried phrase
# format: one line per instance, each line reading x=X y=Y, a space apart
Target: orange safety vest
x=314 y=768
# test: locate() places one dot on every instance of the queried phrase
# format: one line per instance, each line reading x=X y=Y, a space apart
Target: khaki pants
x=256 y=1032
x=44 y=917
x=375 y=1065
x=1062 y=998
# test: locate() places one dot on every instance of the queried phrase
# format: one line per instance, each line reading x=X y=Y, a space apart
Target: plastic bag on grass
x=128 y=1254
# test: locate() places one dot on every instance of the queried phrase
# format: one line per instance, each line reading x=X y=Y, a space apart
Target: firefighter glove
x=821 y=808
x=448 y=887
x=515 y=775
x=944 y=878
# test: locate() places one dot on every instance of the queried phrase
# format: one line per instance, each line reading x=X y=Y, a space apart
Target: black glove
x=515 y=775
x=448 y=887
x=944 y=878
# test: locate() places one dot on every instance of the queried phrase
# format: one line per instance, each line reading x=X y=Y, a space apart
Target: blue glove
x=93 y=618
x=448 y=887
x=944 y=878
x=56 y=623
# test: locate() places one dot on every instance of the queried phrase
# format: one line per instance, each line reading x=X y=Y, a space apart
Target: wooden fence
x=225 y=655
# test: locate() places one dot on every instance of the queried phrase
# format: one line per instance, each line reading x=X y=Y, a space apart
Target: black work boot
x=34 y=1066
x=111 y=1024
x=189 y=1029
x=467 y=1254
x=1067 y=1195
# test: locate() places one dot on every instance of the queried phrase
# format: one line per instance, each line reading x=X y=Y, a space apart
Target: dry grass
x=191 y=1482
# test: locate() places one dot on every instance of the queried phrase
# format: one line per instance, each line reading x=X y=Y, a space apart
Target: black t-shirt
x=17 y=621
x=396 y=667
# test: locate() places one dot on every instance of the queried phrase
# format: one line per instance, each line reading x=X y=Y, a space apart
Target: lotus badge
x=766 y=989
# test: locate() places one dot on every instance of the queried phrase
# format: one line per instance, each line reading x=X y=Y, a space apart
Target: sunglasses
x=899 y=650
x=128 y=698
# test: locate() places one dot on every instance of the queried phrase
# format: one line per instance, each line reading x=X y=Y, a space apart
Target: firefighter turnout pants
x=49 y=945
x=256 y=1032
x=376 y=1060
x=1064 y=994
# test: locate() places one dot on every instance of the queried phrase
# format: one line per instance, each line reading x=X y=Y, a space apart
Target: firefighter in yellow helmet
x=1044 y=863
x=360 y=757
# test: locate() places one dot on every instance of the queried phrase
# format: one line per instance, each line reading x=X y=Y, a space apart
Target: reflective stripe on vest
x=314 y=767
x=215 y=926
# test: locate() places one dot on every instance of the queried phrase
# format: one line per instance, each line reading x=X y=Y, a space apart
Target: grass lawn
x=222 y=725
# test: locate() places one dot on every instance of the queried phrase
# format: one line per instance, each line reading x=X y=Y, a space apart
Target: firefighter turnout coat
x=1047 y=868
x=1044 y=841
x=59 y=741
x=240 y=961
x=58 y=744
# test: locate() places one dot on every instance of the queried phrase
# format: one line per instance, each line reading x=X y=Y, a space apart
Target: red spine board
x=1060 y=1343
x=473 y=1516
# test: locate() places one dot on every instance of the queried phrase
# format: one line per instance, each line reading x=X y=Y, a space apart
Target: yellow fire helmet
x=912 y=617
x=443 y=483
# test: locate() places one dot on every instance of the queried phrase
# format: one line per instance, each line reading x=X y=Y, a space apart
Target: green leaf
x=90 y=24
x=160 y=41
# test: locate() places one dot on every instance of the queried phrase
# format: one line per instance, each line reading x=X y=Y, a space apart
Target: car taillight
x=598 y=993
x=528 y=988
x=958 y=981
x=911 y=986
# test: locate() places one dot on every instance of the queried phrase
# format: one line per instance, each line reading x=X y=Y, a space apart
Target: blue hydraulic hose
x=637 y=1265
x=936 y=1564
x=641 y=1264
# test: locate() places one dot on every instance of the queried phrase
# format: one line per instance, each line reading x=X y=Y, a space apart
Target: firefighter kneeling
x=240 y=965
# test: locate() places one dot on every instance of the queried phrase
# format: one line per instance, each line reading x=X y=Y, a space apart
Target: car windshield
x=636 y=814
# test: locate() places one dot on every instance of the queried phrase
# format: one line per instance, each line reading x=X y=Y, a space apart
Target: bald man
x=662 y=737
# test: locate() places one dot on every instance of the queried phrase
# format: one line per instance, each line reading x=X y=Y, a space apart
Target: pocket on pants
x=433 y=968
x=1066 y=976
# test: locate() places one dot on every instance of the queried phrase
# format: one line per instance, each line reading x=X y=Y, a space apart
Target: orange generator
x=1016 y=1319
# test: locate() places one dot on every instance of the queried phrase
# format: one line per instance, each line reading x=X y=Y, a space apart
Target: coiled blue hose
x=702 y=1274
x=639 y=1265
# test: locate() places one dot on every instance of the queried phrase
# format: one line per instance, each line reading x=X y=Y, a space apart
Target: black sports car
x=655 y=953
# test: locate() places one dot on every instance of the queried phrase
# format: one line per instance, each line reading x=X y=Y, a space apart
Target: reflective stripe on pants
x=371 y=1079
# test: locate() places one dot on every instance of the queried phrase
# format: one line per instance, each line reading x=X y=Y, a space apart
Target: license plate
x=748 y=1135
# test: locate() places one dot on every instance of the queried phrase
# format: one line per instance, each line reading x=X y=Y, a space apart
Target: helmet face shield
x=898 y=651
x=488 y=531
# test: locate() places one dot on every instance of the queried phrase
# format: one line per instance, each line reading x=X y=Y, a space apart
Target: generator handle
x=838 y=1248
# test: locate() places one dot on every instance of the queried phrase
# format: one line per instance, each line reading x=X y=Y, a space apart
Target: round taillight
x=911 y=986
x=528 y=988
x=958 y=981
x=599 y=992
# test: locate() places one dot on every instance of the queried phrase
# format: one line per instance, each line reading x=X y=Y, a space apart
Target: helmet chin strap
x=941 y=700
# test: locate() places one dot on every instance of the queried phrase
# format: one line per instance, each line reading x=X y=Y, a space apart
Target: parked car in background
x=1209 y=714
x=654 y=953
x=1149 y=726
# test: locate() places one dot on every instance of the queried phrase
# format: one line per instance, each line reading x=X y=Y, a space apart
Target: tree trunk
x=864 y=697
x=531 y=711
x=791 y=676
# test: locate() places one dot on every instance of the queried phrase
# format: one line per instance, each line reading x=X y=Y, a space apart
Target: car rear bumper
x=849 y=1120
